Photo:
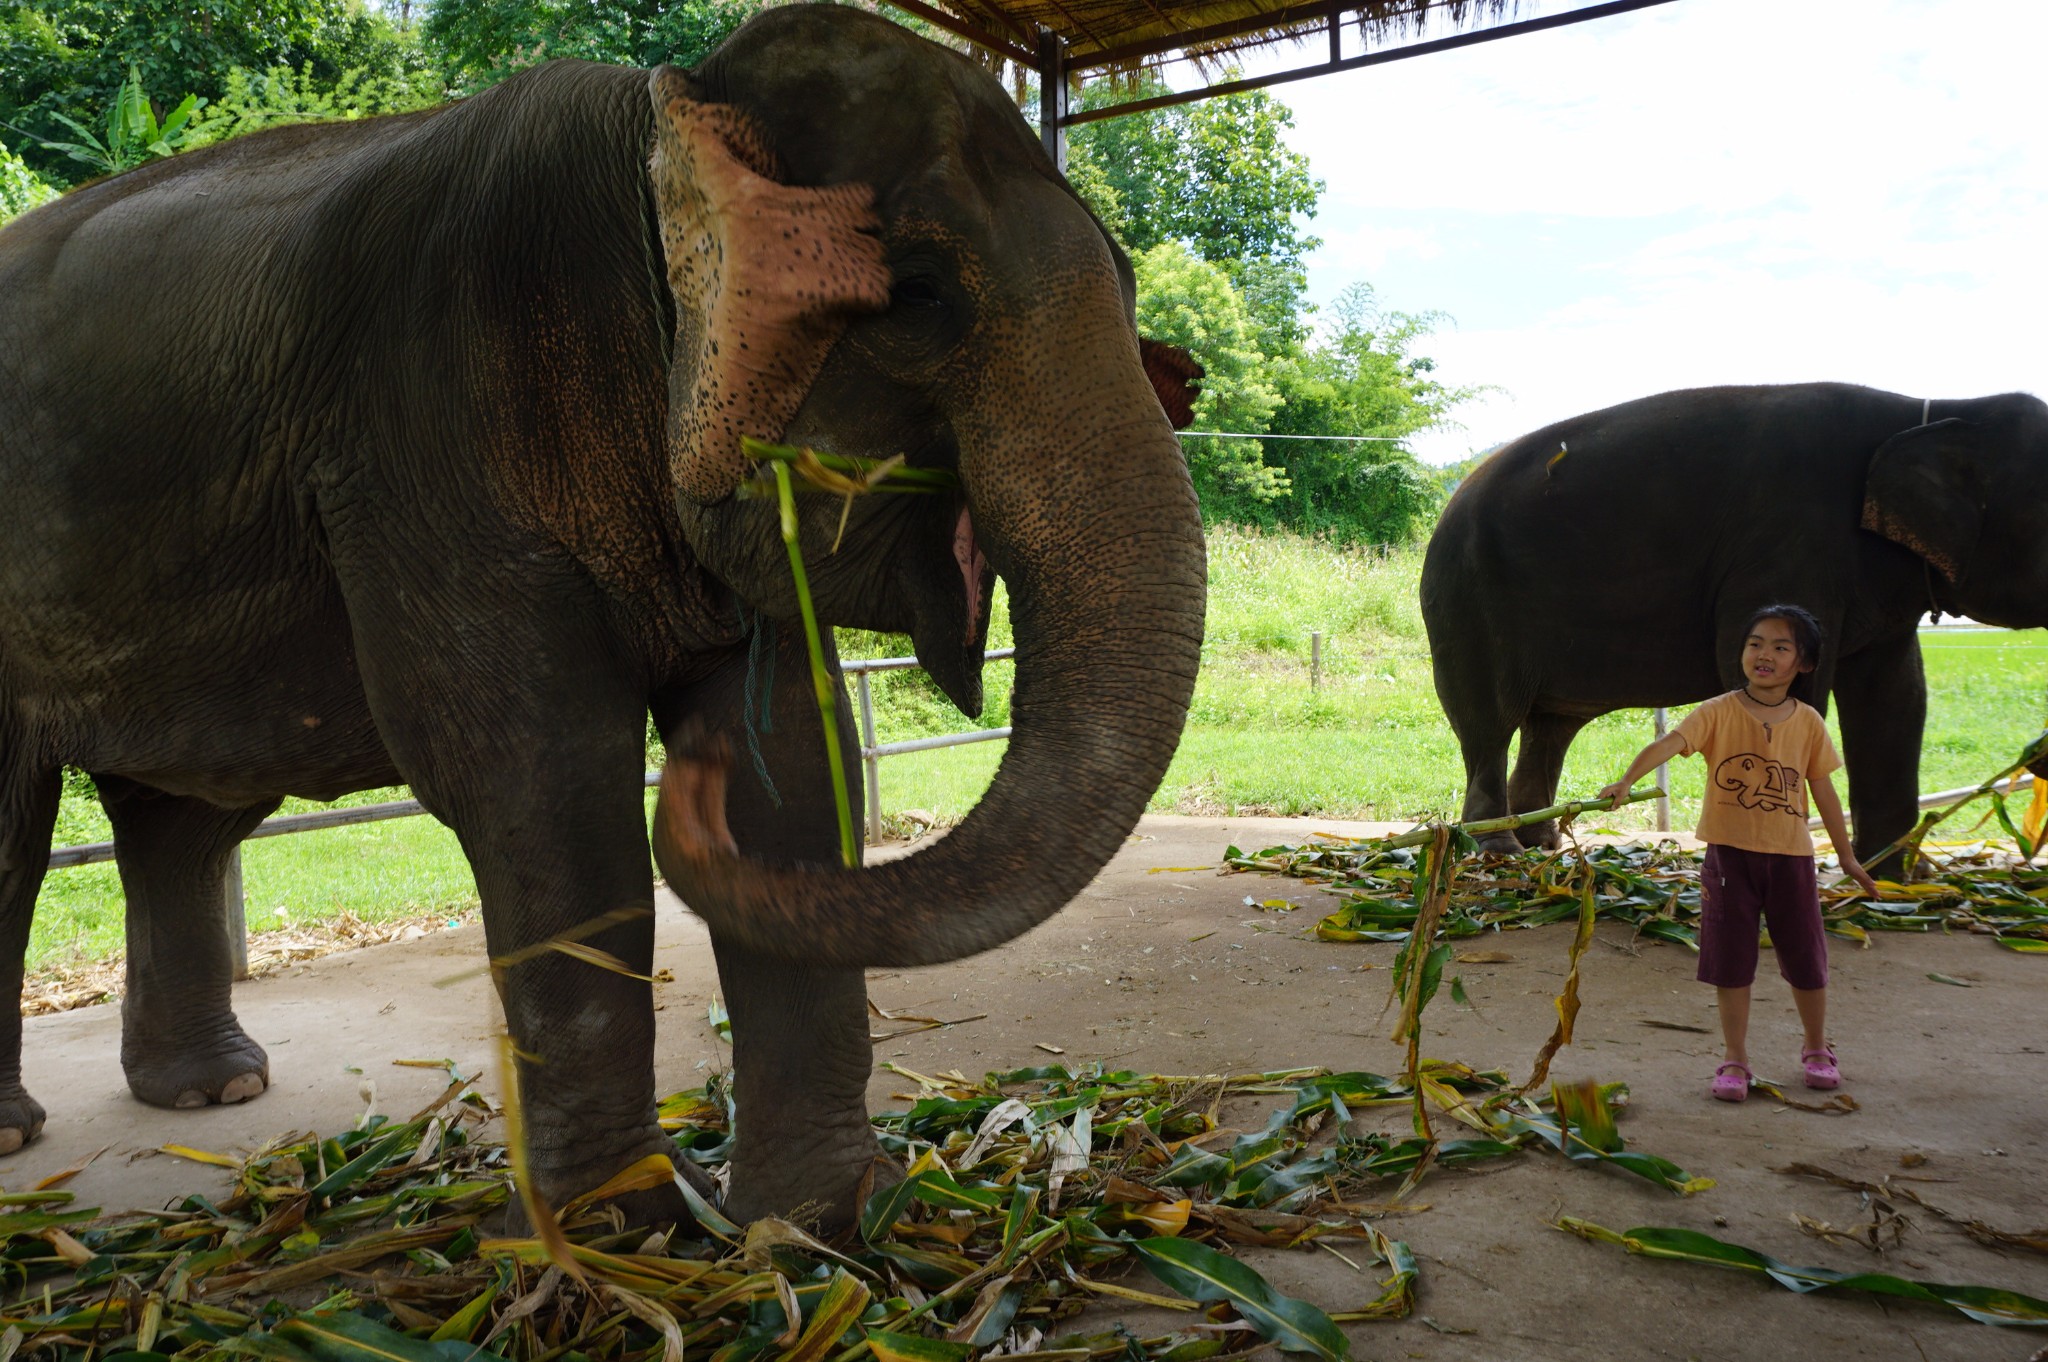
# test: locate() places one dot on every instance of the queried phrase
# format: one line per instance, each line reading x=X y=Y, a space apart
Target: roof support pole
x=1052 y=96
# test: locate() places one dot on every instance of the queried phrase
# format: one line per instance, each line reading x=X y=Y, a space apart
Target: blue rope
x=757 y=714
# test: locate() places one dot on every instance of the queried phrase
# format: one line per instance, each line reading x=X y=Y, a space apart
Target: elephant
x=1611 y=561
x=408 y=451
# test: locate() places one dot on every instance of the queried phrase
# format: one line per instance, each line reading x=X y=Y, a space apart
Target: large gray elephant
x=1611 y=561
x=406 y=450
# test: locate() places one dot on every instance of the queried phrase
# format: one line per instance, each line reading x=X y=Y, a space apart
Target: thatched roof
x=1115 y=34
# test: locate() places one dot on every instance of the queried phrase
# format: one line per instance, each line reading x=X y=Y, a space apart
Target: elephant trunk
x=1099 y=541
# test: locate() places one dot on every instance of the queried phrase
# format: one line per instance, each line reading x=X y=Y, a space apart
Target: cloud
x=1715 y=191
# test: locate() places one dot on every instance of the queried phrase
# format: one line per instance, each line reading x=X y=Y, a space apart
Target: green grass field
x=1369 y=743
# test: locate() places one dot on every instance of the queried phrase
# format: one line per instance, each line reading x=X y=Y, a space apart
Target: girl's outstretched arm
x=1649 y=759
x=1829 y=806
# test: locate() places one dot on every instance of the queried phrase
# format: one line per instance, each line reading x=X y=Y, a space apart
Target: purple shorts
x=1736 y=888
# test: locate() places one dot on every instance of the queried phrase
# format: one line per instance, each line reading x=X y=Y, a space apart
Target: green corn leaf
x=838 y=1312
x=461 y=1326
x=343 y=1337
x=371 y=1160
x=1201 y=1273
x=885 y=1207
x=1017 y=1223
x=1985 y=1304
x=2013 y=830
x=888 y=1347
x=942 y=1190
x=932 y=1269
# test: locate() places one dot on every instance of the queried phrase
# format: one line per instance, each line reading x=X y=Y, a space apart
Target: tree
x=1217 y=175
x=72 y=57
x=483 y=41
x=1189 y=302
x=20 y=188
x=1361 y=377
x=255 y=100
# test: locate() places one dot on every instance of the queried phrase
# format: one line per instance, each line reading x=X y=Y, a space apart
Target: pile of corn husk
x=1029 y=1196
x=1386 y=883
x=1975 y=887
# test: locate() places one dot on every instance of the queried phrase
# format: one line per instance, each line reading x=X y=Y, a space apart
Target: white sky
x=1711 y=191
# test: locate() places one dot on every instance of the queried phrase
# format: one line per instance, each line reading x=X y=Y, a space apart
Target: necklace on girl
x=1767 y=723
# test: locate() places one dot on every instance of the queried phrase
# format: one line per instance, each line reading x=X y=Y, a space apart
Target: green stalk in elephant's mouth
x=847 y=477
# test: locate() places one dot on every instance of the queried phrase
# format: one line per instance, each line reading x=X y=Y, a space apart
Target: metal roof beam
x=1456 y=40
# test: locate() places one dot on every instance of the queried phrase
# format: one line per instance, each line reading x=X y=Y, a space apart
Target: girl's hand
x=1617 y=791
x=1853 y=868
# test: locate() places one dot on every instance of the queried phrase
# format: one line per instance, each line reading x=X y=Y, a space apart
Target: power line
x=1246 y=435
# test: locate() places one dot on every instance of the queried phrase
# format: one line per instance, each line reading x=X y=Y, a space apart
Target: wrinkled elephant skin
x=406 y=450
x=1611 y=562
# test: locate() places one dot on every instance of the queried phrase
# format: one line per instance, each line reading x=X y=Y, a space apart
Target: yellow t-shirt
x=1757 y=773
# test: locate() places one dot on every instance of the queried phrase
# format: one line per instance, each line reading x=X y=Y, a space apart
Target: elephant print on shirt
x=1762 y=784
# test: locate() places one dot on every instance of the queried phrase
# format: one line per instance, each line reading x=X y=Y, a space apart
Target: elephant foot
x=1500 y=844
x=825 y=1197
x=654 y=1208
x=21 y=1120
x=1540 y=836
x=233 y=1069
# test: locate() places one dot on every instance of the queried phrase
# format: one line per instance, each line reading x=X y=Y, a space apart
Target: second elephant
x=1610 y=561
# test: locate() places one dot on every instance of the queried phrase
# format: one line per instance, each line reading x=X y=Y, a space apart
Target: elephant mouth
x=974 y=575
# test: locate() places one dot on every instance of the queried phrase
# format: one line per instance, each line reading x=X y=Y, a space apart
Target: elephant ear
x=1923 y=491
x=1176 y=377
x=765 y=277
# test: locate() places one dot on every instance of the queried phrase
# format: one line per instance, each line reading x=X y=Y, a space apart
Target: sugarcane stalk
x=899 y=478
x=1570 y=809
x=2036 y=751
x=822 y=680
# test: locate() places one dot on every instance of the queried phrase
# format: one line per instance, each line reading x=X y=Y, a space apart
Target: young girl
x=1764 y=750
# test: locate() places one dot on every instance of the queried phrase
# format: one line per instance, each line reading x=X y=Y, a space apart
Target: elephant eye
x=915 y=292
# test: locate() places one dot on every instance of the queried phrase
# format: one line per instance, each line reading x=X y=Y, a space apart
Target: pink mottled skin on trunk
x=968 y=555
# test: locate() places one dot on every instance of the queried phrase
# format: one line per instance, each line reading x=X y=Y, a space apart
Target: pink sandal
x=1731 y=1082
x=1821 y=1070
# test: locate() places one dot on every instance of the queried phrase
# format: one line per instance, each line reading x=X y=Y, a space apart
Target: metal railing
x=871 y=754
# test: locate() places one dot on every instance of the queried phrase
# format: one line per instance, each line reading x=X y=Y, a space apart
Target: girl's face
x=1770 y=656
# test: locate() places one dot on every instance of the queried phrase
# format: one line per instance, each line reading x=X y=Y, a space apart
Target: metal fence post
x=1661 y=717
x=869 y=760
x=1315 y=659
x=238 y=922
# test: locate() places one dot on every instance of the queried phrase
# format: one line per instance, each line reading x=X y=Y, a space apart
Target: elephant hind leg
x=1484 y=718
x=28 y=815
x=1486 y=782
x=1538 y=765
x=180 y=1043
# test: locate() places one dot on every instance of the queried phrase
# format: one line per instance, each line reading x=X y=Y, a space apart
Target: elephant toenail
x=191 y=1098
x=11 y=1139
x=241 y=1088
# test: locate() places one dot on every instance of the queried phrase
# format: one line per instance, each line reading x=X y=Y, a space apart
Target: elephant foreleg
x=1881 y=692
x=28 y=814
x=1538 y=765
x=180 y=1043
x=519 y=720
x=801 y=1054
